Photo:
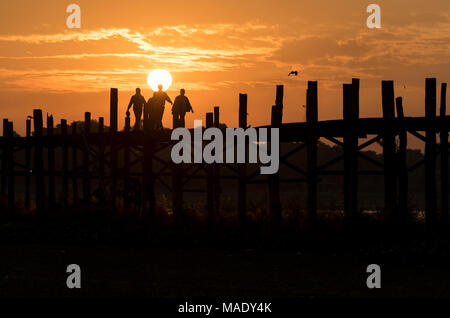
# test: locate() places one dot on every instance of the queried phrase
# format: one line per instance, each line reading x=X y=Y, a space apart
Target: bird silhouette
x=293 y=73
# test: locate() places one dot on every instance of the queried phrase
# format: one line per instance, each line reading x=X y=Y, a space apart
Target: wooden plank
x=311 y=151
x=242 y=169
x=28 y=166
x=38 y=162
x=402 y=166
x=51 y=166
x=444 y=158
x=430 y=156
x=350 y=104
x=74 y=165
x=390 y=195
x=297 y=132
x=65 y=165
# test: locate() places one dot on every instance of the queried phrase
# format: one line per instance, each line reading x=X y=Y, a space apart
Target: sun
x=157 y=77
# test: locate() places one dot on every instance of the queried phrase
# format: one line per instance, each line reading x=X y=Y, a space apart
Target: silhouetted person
x=159 y=100
x=180 y=107
x=138 y=101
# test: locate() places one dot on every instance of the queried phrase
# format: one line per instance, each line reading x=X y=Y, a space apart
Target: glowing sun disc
x=157 y=77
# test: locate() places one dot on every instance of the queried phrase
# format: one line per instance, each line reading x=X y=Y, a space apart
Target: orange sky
x=216 y=49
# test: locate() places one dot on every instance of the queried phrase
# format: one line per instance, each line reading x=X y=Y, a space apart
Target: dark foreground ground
x=122 y=260
x=39 y=271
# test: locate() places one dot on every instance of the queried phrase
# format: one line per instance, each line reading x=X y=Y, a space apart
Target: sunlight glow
x=157 y=77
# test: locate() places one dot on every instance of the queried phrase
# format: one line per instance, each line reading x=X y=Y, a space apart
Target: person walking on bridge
x=138 y=102
x=180 y=107
x=159 y=100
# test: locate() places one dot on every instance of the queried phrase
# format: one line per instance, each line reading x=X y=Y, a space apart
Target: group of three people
x=155 y=108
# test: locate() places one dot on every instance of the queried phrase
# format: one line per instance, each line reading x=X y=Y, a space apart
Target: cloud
x=254 y=52
x=181 y=48
x=370 y=53
x=309 y=49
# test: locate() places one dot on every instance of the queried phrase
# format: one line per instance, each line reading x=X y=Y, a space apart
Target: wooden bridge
x=107 y=156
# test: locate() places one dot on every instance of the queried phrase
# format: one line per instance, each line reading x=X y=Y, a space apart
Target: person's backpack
x=187 y=105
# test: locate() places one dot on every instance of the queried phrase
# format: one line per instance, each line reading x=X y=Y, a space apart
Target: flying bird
x=293 y=73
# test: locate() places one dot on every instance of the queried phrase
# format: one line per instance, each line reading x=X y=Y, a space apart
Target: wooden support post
x=430 y=155
x=279 y=101
x=402 y=166
x=27 y=165
x=38 y=162
x=210 y=180
x=11 y=177
x=274 y=179
x=311 y=143
x=113 y=148
x=113 y=104
x=101 y=162
x=217 y=187
x=101 y=125
x=177 y=193
x=351 y=94
x=4 y=161
x=444 y=158
x=148 y=192
x=86 y=172
x=242 y=170
x=209 y=120
x=126 y=159
x=390 y=196
x=51 y=165
x=355 y=84
x=216 y=116
x=65 y=165
x=74 y=164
